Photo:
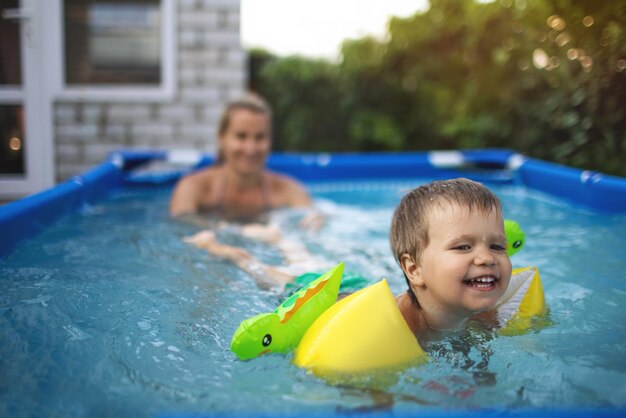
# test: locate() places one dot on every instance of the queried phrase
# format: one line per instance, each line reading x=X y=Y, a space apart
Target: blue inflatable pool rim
x=130 y=168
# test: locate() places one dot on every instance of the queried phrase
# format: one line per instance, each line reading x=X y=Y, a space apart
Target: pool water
x=109 y=313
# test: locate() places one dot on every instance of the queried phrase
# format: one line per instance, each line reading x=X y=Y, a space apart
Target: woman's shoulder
x=202 y=178
x=286 y=190
x=282 y=181
x=194 y=185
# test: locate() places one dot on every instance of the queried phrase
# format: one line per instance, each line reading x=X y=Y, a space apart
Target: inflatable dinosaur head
x=515 y=237
x=257 y=335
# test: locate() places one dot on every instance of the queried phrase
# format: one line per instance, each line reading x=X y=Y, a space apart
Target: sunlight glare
x=317 y=28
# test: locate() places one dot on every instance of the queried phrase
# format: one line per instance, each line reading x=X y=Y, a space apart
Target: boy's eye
x=463 y=247
x=498 y=247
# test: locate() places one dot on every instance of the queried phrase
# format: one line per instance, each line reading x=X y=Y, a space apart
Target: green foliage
x=307 y=99
x=544 y=77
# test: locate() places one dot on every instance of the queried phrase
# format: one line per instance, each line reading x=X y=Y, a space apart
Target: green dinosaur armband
x=515 y=237
x=280 y=331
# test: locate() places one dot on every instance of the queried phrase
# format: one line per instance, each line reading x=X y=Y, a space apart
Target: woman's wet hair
x=250 y=101
x=409 y=226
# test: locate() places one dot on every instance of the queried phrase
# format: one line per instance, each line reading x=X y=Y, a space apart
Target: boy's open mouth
x=482 y=282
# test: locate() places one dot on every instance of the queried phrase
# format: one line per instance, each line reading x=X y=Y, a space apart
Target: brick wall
x=211 y=71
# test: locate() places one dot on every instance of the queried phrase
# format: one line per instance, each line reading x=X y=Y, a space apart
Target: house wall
x=211 y=71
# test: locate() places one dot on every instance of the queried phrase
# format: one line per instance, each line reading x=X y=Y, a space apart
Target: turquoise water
x=109 y=313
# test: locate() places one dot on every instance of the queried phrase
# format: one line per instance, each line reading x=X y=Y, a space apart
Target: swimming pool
x=106 y=312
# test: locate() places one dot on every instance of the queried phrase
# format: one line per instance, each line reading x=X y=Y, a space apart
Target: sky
x=316 y=28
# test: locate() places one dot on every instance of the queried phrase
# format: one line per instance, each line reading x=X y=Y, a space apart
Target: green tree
x=307 y=97
x=546 y=78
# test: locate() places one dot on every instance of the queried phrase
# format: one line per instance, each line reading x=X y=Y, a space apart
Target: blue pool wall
x=595 y=191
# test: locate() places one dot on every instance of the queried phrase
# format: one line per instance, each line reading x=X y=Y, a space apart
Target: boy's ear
x=412 y=271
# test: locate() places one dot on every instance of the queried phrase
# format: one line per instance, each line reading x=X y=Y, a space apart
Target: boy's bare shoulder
x=409 y=312
x=488 y=318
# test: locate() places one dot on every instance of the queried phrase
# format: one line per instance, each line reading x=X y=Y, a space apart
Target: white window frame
x=34 y=96
x=112 y=93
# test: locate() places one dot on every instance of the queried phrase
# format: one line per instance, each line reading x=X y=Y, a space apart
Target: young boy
x=448 y=237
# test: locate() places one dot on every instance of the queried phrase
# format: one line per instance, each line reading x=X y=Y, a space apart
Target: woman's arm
x=265 y=275
x=296 y=194
x=298 y=197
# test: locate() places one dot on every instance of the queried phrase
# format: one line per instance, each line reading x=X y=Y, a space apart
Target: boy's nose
x=484 y=257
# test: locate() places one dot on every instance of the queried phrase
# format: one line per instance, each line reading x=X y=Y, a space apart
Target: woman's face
x=246 y=143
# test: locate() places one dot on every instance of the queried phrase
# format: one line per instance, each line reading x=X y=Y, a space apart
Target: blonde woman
x=239 y=186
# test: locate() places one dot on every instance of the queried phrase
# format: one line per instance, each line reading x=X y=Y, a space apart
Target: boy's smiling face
x=464 y=269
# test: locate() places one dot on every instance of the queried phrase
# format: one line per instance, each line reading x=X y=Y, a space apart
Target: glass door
x=26 y=156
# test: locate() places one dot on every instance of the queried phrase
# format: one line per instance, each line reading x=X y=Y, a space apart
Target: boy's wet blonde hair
x=409 y=227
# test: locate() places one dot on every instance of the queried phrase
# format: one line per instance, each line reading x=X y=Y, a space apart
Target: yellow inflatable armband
x=522 y=301
x=366 y=331
x=362 y=332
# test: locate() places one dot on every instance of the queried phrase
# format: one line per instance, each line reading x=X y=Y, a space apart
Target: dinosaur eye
x=518 y=244
x=267 y=340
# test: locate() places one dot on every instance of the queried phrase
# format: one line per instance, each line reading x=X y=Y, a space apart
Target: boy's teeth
x=483 y=279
